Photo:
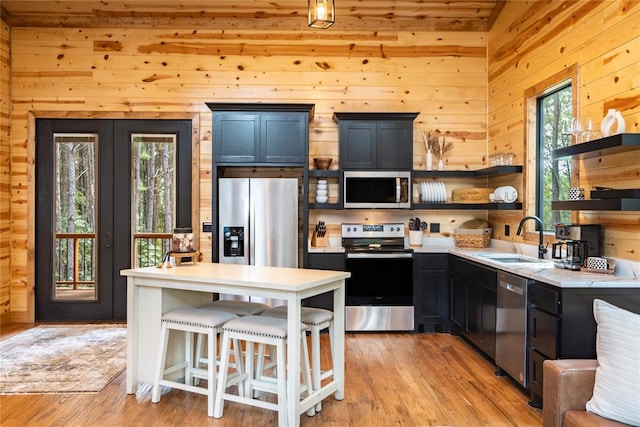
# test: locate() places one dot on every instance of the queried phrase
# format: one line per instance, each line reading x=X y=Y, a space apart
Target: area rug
x=62 y=359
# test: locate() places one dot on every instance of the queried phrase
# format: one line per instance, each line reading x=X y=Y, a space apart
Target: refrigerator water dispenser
x=233 y=241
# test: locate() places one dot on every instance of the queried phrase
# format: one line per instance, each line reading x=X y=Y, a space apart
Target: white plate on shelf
x=443 y=192
x=423 y=191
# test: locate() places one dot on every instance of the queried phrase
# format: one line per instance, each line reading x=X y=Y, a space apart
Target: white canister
x=415 y=237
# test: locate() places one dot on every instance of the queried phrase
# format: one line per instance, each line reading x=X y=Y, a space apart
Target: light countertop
x=281 y=278
x=627 y=272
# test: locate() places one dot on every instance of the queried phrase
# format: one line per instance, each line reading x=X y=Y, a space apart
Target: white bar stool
x=316 y=319
x=239 y=308
x=262 y=330
x=190 y=321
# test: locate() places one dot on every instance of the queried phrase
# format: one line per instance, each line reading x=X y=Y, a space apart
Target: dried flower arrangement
x=433 y=144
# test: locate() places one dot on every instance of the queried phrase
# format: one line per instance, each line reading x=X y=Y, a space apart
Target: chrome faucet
x=541 y=248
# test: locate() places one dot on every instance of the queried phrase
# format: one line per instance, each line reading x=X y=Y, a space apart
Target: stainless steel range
x=379 y=294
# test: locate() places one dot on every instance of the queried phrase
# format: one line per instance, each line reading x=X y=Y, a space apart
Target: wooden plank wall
x=5 y=173
x=66 y=72
x=532 y=41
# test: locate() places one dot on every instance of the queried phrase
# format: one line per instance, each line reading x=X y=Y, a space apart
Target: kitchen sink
x=515 y=259
x=511 y=260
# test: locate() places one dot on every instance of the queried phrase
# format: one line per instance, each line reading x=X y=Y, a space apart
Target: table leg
x=338 y=338
x=132 y=336
x=293 y=360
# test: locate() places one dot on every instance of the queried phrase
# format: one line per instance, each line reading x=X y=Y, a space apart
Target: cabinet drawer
x=544 y=298
x=535 y=375
x=543 y=332
x=430 y=261
x=484 y=276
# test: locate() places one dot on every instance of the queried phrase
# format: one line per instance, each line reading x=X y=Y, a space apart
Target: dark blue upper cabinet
x=253 y=134
x=376 y=140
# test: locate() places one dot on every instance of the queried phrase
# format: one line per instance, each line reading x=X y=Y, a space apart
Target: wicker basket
x=472 y=238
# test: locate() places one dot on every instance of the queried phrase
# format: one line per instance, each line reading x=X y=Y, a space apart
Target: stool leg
x=211 y=371
x=249 y=370
x=306 y=371
x=222 y=376
x=188 y=356
x=282 y=384
x=238 y=364
x=162 y=354
x=315 y=361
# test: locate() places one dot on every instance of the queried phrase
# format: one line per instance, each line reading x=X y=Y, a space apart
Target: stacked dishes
x=433 y=192
x=321 y=191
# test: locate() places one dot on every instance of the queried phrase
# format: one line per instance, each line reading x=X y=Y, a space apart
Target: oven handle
x=387 y=255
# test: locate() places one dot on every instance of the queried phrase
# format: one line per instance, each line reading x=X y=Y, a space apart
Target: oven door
x=379 y=293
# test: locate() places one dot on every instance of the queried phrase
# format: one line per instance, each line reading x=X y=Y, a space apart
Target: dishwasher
x=511 y=327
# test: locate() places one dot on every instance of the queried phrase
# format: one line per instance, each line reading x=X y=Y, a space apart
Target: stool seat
x=193 y=316
x=308 y=315
x=264 y=326
x=240 y=308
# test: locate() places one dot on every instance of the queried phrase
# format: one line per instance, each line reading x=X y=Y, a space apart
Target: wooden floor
x=392 y=379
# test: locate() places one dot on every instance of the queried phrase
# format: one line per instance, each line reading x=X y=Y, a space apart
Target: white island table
x=153 y=291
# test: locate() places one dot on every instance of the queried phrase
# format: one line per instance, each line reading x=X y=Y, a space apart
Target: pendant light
x=322 y=13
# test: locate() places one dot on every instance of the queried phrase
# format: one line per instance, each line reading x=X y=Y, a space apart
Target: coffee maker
x=576 y=243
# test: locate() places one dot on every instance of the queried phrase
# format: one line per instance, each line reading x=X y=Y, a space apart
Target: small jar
x=182 y=240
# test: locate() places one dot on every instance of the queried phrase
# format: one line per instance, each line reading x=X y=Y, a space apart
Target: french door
x=100 y=186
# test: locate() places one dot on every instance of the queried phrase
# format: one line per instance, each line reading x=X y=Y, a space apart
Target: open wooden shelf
x=468 y=206
x=316 y=173
x=479 y=173
x=613 y=144
x=597 y=205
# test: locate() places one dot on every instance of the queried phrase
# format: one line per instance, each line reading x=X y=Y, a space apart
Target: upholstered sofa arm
x=568 y=384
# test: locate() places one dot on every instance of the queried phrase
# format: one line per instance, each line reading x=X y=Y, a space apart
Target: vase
x=429 y=161
x=440 y=165
x=613 y=117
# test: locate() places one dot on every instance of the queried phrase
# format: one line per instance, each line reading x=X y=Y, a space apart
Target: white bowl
x=322 y=181
x=321 y=186
x=321 y=193
x=321 y=199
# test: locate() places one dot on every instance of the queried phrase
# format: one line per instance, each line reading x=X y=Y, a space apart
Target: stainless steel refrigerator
x=258 y=223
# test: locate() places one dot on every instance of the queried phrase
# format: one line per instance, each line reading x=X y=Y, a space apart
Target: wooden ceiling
x=351 y=15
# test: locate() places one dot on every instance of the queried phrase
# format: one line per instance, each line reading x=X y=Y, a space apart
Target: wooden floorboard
x=393 y=379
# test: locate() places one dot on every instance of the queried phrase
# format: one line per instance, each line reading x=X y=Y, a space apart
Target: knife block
x=319 y=242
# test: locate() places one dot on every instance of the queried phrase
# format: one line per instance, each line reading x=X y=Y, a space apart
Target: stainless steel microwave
x=377 y=189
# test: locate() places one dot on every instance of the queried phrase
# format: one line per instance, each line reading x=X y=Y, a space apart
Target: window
x=550 y=107
x=553 y=177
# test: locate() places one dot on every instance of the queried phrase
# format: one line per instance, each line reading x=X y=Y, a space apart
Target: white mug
x=505 y=194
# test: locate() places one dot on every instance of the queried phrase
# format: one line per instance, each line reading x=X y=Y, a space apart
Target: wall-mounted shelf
x=597 y=205
x=613 y=144
x=486 y=172
x=468 y=206
x=327 y=206
x=316 y=173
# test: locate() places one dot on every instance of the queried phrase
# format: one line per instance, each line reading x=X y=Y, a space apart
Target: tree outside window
x=554 y=175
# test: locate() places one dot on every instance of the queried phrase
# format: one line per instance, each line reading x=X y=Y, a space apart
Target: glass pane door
x=74 y=251
x=154 y=195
